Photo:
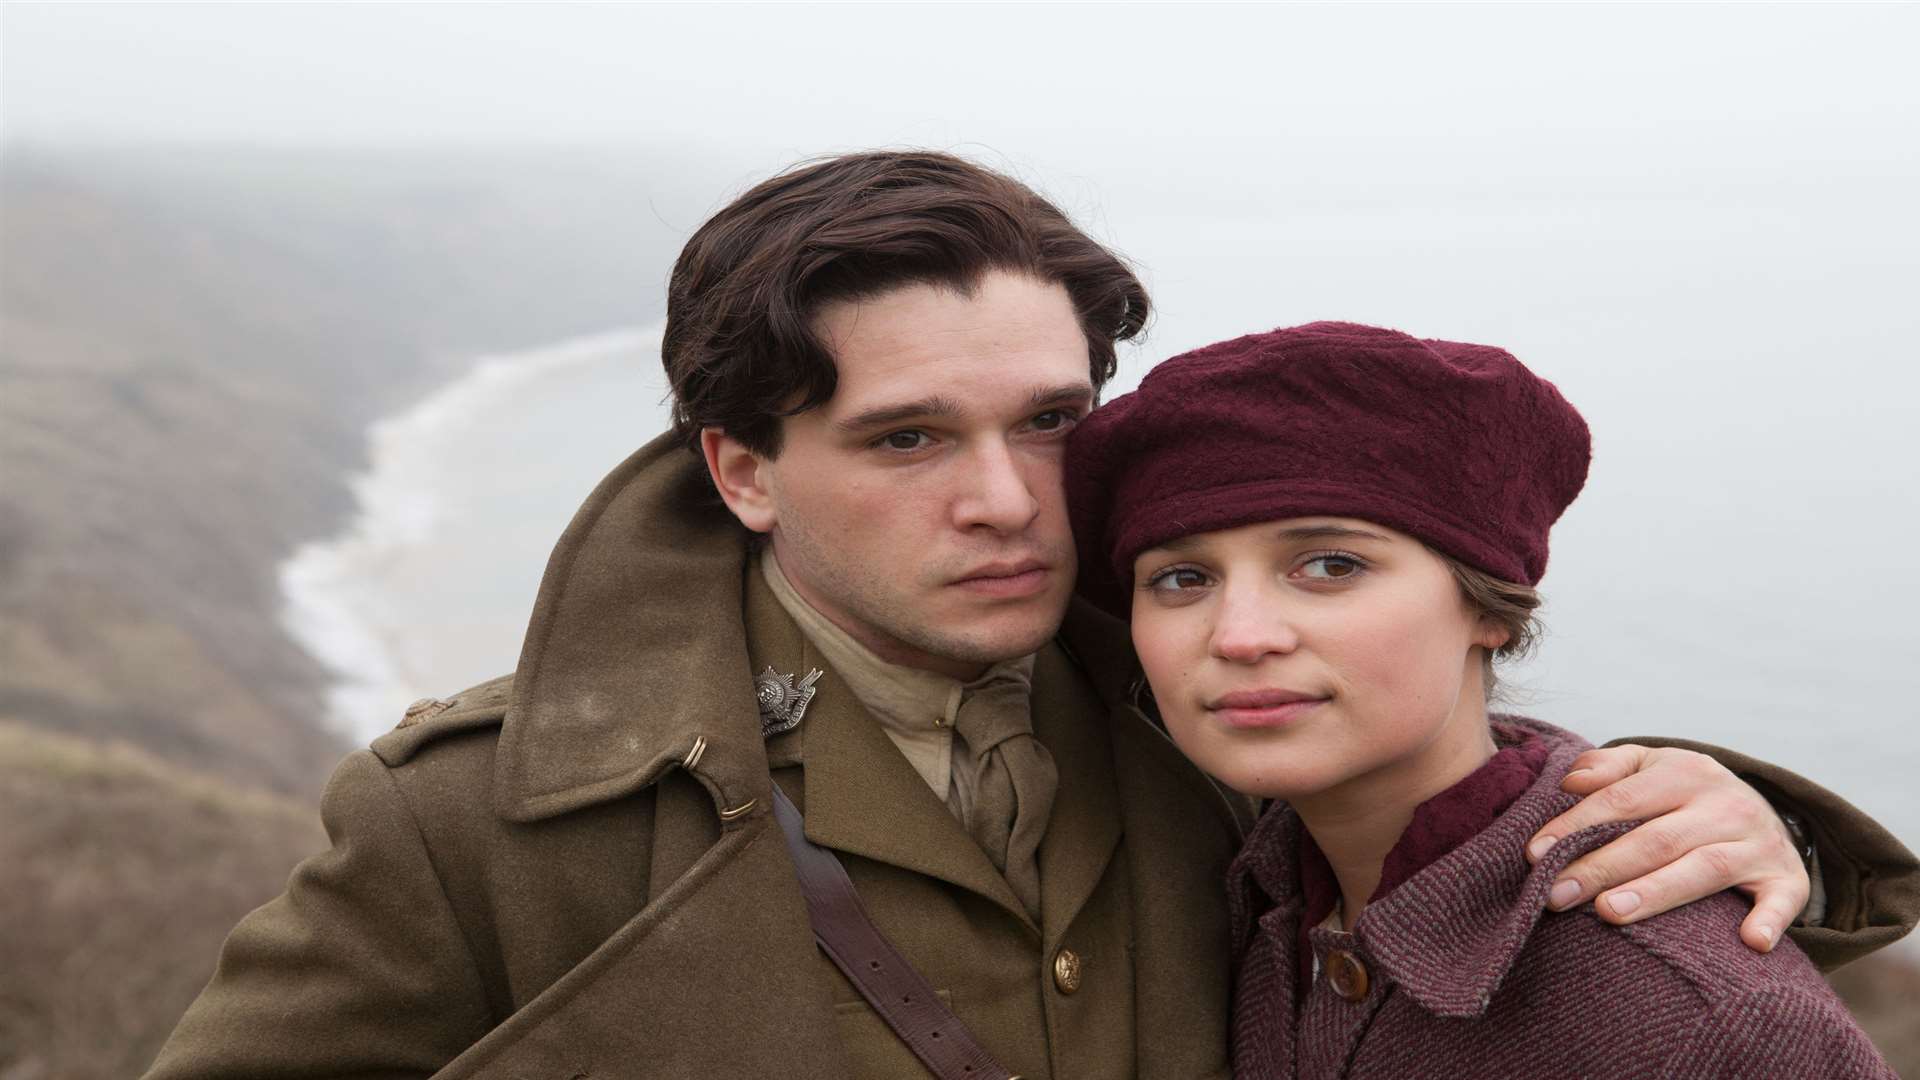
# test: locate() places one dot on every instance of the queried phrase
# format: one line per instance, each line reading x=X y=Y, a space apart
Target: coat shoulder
x=430 y=720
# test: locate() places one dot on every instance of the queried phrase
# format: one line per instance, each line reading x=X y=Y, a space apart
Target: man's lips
x=1263 y=708
x=1006 y=580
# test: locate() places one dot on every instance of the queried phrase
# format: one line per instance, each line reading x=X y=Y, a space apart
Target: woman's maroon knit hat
x=1458 y=445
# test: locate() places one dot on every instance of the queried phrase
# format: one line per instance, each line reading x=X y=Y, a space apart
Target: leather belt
x=900 y=995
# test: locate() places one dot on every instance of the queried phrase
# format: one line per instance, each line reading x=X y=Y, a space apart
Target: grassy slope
x=124 y=874
x=191 y=345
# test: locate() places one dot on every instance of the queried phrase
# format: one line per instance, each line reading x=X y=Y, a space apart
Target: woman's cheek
x=1167 y=646
x=1399 y=671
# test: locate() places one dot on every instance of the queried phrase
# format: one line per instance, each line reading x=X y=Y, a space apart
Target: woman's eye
x=904 y=440
x=1177 y=579
x=1331 y=567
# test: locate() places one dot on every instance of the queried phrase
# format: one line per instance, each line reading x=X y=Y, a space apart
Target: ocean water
x=1744 y=567
x=429 y=588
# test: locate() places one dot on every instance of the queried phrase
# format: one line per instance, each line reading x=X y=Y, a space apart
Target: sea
x=1743 y=568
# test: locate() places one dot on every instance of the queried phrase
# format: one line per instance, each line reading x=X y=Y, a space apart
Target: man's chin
x=1003 y=633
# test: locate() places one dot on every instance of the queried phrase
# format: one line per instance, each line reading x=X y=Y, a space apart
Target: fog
x=1148 y=89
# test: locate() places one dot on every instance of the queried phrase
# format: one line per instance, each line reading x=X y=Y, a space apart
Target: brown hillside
x=192 y=343
x=191 y=346
x=124 y=874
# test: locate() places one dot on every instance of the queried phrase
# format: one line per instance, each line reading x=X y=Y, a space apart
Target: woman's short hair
x=739 y=347
x=1507 y=604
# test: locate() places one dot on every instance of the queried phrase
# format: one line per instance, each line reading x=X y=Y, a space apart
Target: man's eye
x=1177 y=579
x=1054 y=420
x=903 y=440
x=1331 y=567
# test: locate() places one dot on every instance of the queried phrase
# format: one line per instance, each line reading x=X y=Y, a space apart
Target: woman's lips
x=1263 y=708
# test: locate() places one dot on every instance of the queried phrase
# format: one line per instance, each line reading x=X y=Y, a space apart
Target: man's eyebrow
x=1064 y=394
x=883 y=415
x=945 y=407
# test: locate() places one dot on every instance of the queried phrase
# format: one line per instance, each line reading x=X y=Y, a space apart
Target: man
x=576 y=870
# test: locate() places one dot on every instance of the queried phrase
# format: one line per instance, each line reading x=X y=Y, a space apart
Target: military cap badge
x=782 y=701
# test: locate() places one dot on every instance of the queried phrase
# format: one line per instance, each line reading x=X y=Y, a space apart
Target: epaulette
x=428 y=719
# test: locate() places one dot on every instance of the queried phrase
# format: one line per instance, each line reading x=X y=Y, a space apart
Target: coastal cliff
x=192 y=344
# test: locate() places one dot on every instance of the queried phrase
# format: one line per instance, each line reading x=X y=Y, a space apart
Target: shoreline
x=331 y=603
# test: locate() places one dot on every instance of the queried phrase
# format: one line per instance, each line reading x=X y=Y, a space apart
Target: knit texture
x=1459 y=445
x=1470 y=976
x=1439 y=825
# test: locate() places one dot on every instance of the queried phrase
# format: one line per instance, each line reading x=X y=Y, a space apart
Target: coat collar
x=1448 y=935
x=636 y=651
x=637 y=648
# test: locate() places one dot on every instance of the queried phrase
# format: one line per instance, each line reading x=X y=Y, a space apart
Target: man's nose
x=1250 y=624
x=998 y=493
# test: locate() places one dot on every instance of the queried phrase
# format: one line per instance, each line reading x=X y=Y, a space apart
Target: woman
x=1322 y=536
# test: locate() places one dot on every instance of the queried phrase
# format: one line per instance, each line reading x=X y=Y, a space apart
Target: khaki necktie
x=1014 y=780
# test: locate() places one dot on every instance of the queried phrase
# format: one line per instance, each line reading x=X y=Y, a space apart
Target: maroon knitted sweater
x=1457 y=970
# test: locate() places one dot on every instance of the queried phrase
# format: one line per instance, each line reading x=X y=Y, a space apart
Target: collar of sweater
x=1457 y=898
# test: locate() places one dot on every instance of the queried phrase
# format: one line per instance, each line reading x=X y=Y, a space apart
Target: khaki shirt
x=915 y=708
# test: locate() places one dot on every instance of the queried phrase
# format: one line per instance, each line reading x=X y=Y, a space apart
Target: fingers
x=1726 y=834
x=1699 y=874
x=1654 y=782
x=1702 y=830
x=1596 y=769
x=1693 y=875
x=1775 y=906
x=1630 y=859
x=1768 y=870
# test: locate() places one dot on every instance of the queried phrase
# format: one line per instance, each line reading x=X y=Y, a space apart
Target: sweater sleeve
x=1775 y=1031
x=1870 y=882
x=358 y=969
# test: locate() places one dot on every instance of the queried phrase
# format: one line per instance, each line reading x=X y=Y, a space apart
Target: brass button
x=1066 y=971
x=1347 y=975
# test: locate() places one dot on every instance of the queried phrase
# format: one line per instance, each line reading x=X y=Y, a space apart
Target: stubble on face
x=884 y=616
x=983 y=387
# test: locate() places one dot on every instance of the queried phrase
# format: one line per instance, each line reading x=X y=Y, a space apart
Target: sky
x=1102 y=82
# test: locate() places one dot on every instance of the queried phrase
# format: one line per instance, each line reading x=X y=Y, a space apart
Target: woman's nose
x=1250 y=625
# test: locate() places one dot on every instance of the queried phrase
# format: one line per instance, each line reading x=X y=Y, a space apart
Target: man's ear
x=740 y=475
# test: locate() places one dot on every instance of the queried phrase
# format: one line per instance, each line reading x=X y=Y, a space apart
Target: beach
x=428 y=588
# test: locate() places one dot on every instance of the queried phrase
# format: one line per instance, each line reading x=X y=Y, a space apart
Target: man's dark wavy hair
x=740 y=349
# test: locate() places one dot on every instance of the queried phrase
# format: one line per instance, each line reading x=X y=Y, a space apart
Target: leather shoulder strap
x=898 y=993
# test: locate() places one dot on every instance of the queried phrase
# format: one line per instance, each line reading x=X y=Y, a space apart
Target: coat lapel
x=633 y=653
x=1070 y=721
x=861 y=795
